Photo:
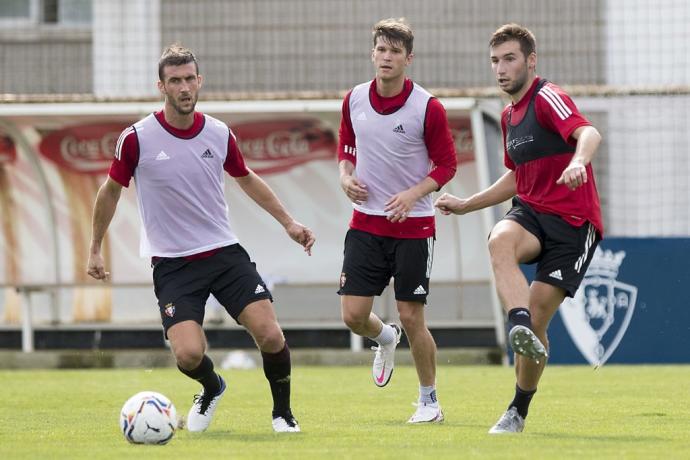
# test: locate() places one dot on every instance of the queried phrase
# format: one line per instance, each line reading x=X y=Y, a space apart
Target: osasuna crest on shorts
x=169 y=309
x=598 y=316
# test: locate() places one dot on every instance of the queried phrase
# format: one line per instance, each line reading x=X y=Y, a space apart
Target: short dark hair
x=512 y=31
x=175 y=55
x=394 y=31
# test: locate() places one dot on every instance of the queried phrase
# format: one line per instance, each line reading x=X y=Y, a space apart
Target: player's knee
x=354 y=321
x=497 y=245
x=188 y=357
x=410 y=319
x=270 y=338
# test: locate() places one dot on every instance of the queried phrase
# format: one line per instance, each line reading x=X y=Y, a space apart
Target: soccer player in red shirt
x=555 y=220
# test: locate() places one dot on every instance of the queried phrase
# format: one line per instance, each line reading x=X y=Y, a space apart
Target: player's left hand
x=399 y=206
x=301 y=234
x=574 y=175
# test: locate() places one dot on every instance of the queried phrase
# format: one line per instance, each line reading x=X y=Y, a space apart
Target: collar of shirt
x=388 y=105
x=192 y=131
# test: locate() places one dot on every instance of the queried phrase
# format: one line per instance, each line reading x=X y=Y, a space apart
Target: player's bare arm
x=103 y=211
x=500 y=191
x=575 y=174
x=263 y=195
x=354 y=189
x=399 y=205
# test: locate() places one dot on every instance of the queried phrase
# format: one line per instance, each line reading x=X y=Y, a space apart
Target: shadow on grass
x=445 y=423
x=601 y=438
x=232 y=435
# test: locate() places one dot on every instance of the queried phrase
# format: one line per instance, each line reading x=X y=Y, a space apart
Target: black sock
x=522 y=400
x=205 y=375
x=519 y=317
x=277 y=370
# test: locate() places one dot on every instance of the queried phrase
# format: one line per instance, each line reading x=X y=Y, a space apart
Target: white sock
x=386 y=337
x=427 y=395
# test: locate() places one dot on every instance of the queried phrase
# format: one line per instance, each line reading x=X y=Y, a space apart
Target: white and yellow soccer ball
x=148 y=418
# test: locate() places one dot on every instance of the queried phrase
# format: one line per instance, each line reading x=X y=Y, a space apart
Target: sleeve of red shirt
x=504 y=129
x=126 y=157
x=439 y=143
x=346 y=135
x=234 y=162
x=557 y=112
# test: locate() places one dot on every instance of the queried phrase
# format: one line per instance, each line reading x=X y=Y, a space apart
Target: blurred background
x=74 y=73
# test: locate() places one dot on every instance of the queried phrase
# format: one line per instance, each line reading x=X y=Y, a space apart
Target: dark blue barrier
x=632 y=307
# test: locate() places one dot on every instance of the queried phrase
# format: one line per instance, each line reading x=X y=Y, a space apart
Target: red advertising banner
x=85 y=149
x=8 y=151
x=268 y=146
x=277 y=145
x=461 y=129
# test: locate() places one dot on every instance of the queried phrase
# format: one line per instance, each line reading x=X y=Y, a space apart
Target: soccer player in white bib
x=395 y=148
x=555 y=221
x=178 y=158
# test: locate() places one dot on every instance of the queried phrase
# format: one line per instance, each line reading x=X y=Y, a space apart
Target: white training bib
x=391 y=153
x=180 y=189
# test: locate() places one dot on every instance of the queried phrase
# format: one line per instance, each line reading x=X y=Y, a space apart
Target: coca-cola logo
x=87 y=149
x=8 y=151
x=273 y=146
x=461 y=129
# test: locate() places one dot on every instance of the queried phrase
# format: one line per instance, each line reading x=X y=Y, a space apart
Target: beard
x=182 y=111
x=518 y=84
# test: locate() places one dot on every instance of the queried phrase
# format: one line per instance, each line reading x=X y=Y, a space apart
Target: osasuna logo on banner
x=599 y=314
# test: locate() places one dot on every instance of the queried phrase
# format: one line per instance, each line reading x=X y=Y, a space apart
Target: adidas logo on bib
x=259 y=289
x=399 y=129
x=162 y=156
x=420 y=290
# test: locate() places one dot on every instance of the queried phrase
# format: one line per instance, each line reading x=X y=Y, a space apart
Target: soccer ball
x=148 y=418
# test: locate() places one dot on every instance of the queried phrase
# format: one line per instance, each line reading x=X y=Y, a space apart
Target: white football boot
x=285 y=424
x=524 y=342
x=384 y=360
x=510 y=422
x=427 y=413
x=201 y=412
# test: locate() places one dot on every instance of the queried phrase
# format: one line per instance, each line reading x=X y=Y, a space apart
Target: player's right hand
x=574 y=175
x=301 y=234
x=96 y=267
x=354 y=189
x=451 y=204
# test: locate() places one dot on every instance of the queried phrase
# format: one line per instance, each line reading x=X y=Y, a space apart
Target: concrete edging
x=105 y=359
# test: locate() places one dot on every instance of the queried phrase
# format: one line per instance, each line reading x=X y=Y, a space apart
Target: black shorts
x=566 y=250
x=182 y=286
x=370 y=261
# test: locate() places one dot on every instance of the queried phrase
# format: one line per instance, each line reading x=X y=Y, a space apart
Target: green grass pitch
x=614 y=412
